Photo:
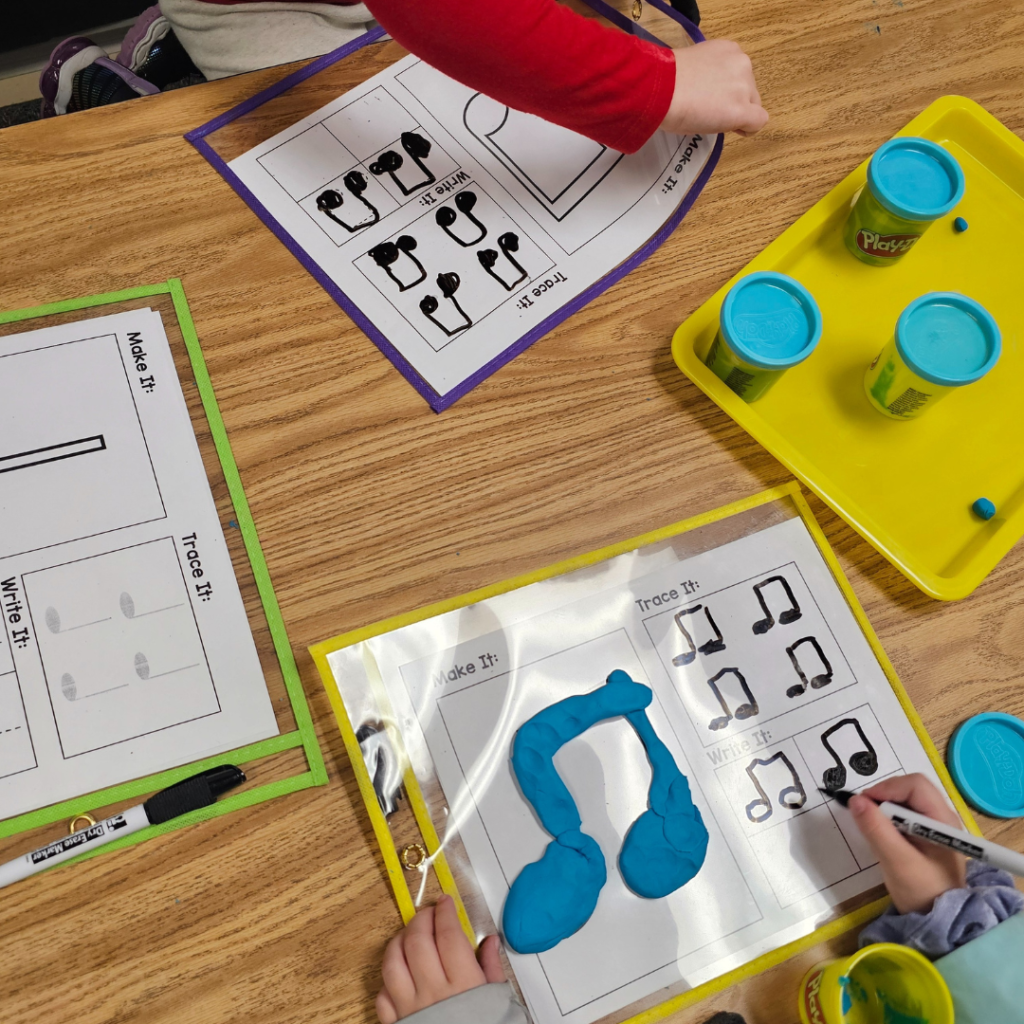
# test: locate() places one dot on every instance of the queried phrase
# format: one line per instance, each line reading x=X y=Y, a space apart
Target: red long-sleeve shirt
x=540 y=57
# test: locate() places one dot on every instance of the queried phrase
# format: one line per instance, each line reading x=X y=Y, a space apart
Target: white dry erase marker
x=188 y=795
x=910 y=823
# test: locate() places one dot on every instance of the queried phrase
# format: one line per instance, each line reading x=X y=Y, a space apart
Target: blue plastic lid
x=770 y=321
x=915 y=179
x=986 y=760
x=948 y=339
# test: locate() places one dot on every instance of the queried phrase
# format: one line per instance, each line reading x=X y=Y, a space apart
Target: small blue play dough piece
x=554 y=897
x=983 y=508
x=667 y=844
x=986 y=760
x=960 y=225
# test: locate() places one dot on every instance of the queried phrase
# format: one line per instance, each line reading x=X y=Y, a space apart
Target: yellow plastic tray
x=906 y=487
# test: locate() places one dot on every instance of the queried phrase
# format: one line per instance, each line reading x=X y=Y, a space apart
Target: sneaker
x=80 y=75
x=152 y=51
x=56 y=79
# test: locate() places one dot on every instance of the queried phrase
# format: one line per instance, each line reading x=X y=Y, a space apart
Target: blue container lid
x=915 y=179
x=770 y=320
x=986 y=760
x=948 y=339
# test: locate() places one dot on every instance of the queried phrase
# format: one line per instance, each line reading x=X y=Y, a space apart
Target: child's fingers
x=386 y=1008
x=453 y=947
x=885 y=840
x=490 y=960
x=420 y=950
x=916 y=792
x=398 y=983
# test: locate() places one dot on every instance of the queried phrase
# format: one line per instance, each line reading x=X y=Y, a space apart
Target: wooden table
x=368 y=504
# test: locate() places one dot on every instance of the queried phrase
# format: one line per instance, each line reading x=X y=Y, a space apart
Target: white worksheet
x=455 y=224
x=765 y=689
x=126 y=648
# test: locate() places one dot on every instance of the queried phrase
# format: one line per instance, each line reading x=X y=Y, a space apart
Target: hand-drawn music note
x=389 y=254
x=449 y=284
x=446 y=217
x=818 y=681
x=791 y=614
x=389 y=162
x=331 y=200
x=791 y=797
x=863 y=762
x=744 y=711
x=508 y=243
x=712 y=646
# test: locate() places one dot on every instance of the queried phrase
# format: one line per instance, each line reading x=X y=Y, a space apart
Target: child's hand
x=715 y=91
x=915 y=872
x=432 y=960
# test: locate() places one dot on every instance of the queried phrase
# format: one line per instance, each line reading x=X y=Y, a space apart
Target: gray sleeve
x=956 y=916
x=486 y=1004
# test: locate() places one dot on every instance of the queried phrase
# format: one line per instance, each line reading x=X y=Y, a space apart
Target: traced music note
x=446 y=218
x=863 y=762
x=791 y=614
x=330 y=200
x=712 y=646
x=817 y=681
x=791 y=797
x=743 y=711
x=389 y=162
x=449 y=285
x=508 y=243
x=405 y=272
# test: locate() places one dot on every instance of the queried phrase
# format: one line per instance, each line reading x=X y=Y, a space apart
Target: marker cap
x=915 y=179
x=986 y=760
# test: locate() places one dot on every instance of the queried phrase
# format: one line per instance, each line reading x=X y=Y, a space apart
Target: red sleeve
x=542 y=58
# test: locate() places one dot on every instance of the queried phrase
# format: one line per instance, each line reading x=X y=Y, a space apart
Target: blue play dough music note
x=555 y=896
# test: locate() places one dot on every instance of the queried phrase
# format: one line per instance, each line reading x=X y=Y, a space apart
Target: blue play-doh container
x=769 y=323
x=911 y=183
x=986 y=760
x=942 y=341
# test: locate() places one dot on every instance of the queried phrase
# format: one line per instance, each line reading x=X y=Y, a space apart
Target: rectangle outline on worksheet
x=436 y=401
x=304 y=734
x=399 y=881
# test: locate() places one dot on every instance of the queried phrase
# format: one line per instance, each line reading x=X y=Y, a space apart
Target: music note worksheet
x=125 y=647
x=765 y=691
x=461 y=229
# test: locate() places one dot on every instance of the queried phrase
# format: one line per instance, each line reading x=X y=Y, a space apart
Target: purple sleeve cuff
x=956 y=917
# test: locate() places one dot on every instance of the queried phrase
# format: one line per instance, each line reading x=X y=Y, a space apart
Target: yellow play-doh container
x=943 y=341
x=879 y=984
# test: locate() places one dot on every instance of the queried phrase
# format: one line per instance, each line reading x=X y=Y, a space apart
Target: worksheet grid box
x=457 y=251
x=717 y=647
x=83 y=465
x=479 y=735
x=337 y=169
x=17 y=753
x=120 y=645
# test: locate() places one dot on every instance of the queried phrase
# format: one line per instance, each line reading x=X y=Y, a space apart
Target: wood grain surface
x=368 y=504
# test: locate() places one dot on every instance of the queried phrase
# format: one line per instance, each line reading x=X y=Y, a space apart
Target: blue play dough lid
x=770 y=321
x=948 y=338
x=915 y=179
x=986 y=760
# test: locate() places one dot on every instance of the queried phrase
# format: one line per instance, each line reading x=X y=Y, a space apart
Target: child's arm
x=540 y=57
x=431 y=961
x=940 y=901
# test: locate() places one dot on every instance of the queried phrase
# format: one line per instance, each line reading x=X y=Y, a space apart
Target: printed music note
x=712 y=646
x=791 y=797
x=818 y=681
x=747 y=710
x=863 y=762
x=791 y=614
